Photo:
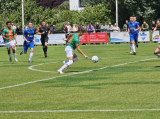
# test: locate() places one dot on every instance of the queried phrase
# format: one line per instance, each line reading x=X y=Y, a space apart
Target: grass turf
x=130 y=86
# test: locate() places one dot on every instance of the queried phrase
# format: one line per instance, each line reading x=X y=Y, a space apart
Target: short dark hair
x=29 y=22
x=158 y=19
x=8 y=22
x=81 y=29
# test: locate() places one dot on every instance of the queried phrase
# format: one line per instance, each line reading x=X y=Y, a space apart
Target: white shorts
x=9 y=44
x=69 y=51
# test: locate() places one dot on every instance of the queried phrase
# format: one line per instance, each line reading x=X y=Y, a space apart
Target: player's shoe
x=64 y=63
x=137 y=46
x=60 y=72
x=29 y=61
x=22 y=52
x=10 y=59
x=16 y=59
x=45 y=54
x=134 y=53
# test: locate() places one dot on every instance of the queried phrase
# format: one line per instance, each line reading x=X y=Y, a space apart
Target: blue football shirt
x=29 y=34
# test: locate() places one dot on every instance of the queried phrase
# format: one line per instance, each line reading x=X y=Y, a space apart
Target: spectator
x=69 y=28
x=54 y=29
x=48 y=26
x=19 y=30
x=64 y=30
x=116 y=28
x=153 y=25
x=90 y=28
x=75 y=28
x=145 y=26
x=13 y=27
x=104 y=27
x=125 y=25
x=97 y=28
x=110 y=27
x=25 y=27
x=83 y=25
x=38 y=28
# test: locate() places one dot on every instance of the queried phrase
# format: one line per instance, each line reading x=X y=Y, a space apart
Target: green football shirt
x=8 y=33
x=73 y=41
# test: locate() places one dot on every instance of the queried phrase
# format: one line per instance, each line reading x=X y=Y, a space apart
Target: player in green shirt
x=9 y=37
x=72 y=44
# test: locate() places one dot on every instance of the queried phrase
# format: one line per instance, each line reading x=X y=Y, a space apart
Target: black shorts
x=44 y=40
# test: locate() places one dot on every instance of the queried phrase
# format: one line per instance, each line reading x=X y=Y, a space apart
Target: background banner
x=120 y=37
x=155 y=36
x=93 y=38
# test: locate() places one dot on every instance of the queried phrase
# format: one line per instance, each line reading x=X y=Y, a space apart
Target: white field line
x=31 y=67
x=73 y=74
x=65 y=111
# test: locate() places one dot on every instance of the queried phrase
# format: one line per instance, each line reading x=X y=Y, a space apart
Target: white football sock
x=15 y=48
x=31 y=55
x=75 y=59
x=133 y=47
x=158 y=54
x=14 y=54
x=70 y=62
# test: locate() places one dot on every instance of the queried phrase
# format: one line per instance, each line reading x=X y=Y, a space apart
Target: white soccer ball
x=95 y=59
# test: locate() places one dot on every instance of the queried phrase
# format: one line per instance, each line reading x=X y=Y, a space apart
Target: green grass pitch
x=134 y=85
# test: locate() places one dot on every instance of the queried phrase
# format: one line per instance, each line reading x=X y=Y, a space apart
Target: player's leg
x=136 y=40
x=132 y=46
x=32 y=50
x=25 y=48
x=45 y=48
x=43 y=44
x=69 y=53
x=9 y=53
x=157 y=51
x=14 y=52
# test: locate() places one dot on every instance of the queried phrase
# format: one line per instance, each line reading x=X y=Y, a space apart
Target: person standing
x=9 y=37
x=97 y=28
x=19 y=30
x=104 y=27
x=83 y=26
x=116 y=28
x=90 y=28
x=54 y=29
x=44 y=31
x=69 y=28
x=133 y=27
x=153 y=25
x=64 y=30
x=125 y=25
x=145 y=26
x=29 y=41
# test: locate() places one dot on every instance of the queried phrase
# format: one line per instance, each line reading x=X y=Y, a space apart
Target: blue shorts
x=26 y=45
x=133 y=37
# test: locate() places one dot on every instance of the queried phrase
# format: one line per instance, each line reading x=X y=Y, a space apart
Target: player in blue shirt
x=157 y=51
x=138 y=32
x=133 y=27
x=29 y=41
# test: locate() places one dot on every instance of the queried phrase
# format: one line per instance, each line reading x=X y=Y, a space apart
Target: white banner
x=155 y=36
x=120 y=37
x=53 y=39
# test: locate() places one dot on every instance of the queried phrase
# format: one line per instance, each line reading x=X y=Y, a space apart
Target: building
x=76 y=5
x=49 y=3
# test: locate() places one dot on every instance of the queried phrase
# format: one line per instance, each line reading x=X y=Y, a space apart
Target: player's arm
x=14 y=37
x=154 y=29
x=4 y=35
x=80 y=51
x=24 y=37
x=40 y=32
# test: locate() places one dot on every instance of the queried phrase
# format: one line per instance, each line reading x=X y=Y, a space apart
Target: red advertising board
x=93 y=38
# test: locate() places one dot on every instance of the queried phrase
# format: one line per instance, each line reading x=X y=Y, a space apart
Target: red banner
x=93 y=38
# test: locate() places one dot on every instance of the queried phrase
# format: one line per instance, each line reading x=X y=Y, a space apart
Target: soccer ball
x=95 y=59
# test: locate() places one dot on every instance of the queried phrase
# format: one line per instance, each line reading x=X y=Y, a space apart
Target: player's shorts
x=69 y=51
x=133 y=37
x=9 y=44
x=44 y=40
x=26 y=45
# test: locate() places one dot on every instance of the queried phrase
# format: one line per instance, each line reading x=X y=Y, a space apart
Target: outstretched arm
x=80 y=51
